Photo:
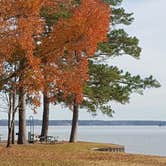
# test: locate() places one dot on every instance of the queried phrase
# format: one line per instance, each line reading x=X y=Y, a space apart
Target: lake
x=136 y=139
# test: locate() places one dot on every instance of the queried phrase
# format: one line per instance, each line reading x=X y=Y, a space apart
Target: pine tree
x=108 y=83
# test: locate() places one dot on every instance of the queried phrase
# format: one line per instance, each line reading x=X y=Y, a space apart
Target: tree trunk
x=9 y=137
x=9 y=122
x=13 y=132
x=22 y=118
x=73 y=135
x=11 y=118
x=14 y=109
x=45 y=120
x=13 y=127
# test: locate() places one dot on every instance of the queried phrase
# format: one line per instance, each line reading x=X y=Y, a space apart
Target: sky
x=150 y=28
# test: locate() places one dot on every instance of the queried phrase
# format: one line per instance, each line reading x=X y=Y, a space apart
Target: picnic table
x=48 y=139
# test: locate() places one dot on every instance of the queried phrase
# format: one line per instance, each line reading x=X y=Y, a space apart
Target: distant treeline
x=95 y=123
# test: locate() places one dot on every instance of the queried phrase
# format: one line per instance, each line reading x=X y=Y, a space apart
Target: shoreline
x=107 y=147
x=146 y=141
x=38 y=122
x=73 y=154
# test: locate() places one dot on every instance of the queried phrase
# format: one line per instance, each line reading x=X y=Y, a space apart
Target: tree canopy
x=107 y=82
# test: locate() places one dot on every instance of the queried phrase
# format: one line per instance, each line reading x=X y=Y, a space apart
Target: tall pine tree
x=108 y=83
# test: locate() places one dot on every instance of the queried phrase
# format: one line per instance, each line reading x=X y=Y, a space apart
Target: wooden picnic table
x=48 y=139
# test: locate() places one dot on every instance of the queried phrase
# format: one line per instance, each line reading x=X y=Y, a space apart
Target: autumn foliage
x=20 y=25
x=70 y=44
x=58 y=61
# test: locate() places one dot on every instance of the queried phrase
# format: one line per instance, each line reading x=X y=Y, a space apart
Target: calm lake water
x=136 y=139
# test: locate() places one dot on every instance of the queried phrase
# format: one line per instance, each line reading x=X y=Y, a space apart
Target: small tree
x=9 y=106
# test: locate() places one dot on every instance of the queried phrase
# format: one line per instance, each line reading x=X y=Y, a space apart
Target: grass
x=67 y=154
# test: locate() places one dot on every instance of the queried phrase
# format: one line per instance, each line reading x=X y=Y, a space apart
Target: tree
x=12 y=109
x=51 y=12
x=9 y=98
x=20 y=25
x=7 y=107
x=108 y=83
x=67 y=48
x=68 y=76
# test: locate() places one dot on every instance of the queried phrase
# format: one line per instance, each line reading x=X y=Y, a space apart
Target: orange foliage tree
x=52 y=11
x=20 y=25
x=67 y=48
x=54 y=60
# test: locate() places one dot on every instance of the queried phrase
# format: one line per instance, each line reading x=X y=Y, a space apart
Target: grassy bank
x=65 y=154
